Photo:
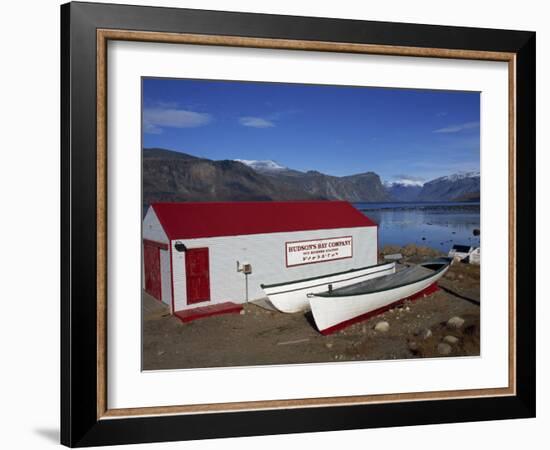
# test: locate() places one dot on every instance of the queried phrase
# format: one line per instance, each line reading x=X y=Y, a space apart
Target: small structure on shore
x=475 y=256
x=208 y=254
x=465 y=253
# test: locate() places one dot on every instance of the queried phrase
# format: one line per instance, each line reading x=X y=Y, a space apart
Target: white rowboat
x=292 y=296
x=337 y=308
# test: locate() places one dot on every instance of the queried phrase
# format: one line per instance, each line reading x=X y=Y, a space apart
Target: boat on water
x=337 y=308
x=292 y=296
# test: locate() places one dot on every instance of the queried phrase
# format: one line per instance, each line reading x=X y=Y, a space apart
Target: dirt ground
x=261 y=337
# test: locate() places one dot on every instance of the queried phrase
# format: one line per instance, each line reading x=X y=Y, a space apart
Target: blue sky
x=397 y=133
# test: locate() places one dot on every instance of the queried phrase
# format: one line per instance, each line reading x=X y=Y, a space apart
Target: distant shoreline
x=376 y=206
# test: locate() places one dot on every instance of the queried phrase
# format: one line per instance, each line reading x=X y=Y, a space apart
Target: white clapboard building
x=200 y=254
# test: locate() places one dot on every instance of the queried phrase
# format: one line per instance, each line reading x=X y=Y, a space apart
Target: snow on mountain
x=403 y=191
x=460 y=176
x=262 y=165
x=390 y=184
x=457 y=186
x=404 y=188
x=461 y=185
x=360 y=187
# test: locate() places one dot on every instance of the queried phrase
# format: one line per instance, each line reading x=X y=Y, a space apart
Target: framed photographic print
x=268 y=220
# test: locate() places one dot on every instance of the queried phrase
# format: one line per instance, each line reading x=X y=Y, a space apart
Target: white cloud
x=255 y=122
x=156 y=118
x=458 y=128
x=149 y=128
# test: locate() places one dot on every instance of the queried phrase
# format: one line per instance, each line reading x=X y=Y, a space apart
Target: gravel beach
x=444 y=324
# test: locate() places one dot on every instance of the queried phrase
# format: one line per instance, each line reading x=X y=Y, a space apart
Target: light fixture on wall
x=180 y=246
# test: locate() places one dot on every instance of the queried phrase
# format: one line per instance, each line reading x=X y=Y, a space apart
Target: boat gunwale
x=329 y=282
x=333 y=295
x=264 y=286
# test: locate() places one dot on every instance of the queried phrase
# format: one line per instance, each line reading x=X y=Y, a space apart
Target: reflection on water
x=436 y=225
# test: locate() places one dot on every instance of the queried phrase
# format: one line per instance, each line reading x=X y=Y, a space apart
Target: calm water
x=436 y=225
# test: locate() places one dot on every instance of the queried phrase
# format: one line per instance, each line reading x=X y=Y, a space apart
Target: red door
x=197 y=275
x=151 y=259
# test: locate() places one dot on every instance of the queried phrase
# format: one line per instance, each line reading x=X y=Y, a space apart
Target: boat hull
x=293 y=297
x=333 y=313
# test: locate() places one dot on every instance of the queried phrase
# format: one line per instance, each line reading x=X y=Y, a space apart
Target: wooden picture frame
x=86 y=418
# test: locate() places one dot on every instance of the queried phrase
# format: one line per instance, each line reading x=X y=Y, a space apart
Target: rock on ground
x=413 y=346
x=424 y=333
x=455 y=322
x=382 y=326
x=450 y=339
x=444 y=349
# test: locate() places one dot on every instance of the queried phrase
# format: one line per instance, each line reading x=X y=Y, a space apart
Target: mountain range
x=176 y=176
x=463 y=186
x=403 y=192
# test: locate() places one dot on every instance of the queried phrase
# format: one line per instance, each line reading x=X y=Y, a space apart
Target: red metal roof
x=209 y=219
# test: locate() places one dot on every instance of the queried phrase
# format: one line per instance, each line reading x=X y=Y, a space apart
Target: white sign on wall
x=318 y=250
